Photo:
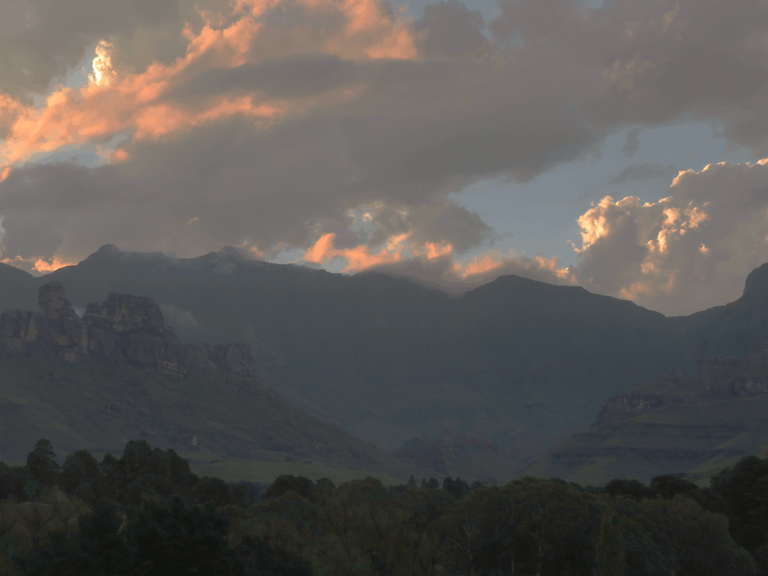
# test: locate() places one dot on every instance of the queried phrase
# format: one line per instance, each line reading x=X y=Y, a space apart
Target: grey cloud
x=41 y=39
x=452 y=30
x=297 y=75
x=178 y=317
x=419 y=131
x=632 y=142
x=657 y=61
x=645 y=171
x=439 y=273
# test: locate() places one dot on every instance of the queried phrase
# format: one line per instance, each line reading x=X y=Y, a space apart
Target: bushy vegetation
x=145 y=513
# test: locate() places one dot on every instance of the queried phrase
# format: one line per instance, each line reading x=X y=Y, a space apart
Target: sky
x=614 y=145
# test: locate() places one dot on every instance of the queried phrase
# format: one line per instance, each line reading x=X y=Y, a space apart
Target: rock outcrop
x=718 y=378
x=123 y=328
x=713 y=371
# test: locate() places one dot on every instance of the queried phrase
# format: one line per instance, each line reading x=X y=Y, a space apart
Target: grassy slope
x=695 y=438
x=251 y=431
x=391 y=360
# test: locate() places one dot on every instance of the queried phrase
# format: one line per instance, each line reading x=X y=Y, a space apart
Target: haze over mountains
x=499 y=373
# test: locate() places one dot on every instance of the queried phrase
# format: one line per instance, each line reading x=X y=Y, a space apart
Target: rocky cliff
x=670 y=425
x=124 y=328
x=718 y=378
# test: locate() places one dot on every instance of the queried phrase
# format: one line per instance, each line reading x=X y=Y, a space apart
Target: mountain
x=495 y=376
x=688 y=427
x=119 y=373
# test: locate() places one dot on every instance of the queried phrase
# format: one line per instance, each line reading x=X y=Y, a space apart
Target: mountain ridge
x=516 y=362
x=119 y=372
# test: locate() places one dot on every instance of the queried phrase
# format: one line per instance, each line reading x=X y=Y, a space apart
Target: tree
x=611 y=547
x=362 y=532
x=79 y=467
x=211 y=490
x=745 y=488
x=173 y=540
x=457 y=488
x=629 y=488
x=98 y=550
x=694 y=542
x=261 y=559
x=668 y=486
x=287 y=482
x=42 y=465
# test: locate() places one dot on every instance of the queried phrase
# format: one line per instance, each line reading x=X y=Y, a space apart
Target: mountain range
x=485 y=381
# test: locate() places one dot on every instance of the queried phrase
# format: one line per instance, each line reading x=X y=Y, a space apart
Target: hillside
x=671 y=426
x=119 y=373
x=517 y=363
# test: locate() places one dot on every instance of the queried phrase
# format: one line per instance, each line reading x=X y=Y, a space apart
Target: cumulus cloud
x=686 y=252
x=341 y=129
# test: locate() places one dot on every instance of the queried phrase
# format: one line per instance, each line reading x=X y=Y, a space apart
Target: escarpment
x=718 y=378
x=124 y=328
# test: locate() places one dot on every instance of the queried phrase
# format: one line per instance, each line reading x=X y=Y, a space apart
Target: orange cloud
x=366 y=17
x=119 y=155
x=44 y=265
x=113 y=101
x=436 y=250
x=359 y=257
x=482 y=264
x=51 y=264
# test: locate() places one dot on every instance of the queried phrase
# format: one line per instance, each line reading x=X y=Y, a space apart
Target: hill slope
x=671 y=426
x=119 y=373
x=516 y=362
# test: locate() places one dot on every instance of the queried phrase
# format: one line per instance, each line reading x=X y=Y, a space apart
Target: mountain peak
x=757 y=281
x=108 y=249
x=232 y=251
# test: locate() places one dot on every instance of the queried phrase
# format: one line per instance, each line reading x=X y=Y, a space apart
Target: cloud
x=645 y=171
x=178 y=317
x=655 y=61
x=441 y=269
x=294 y=76
x=275 y=125
x=689 y=251
x=452 y=31
x=40 y=40
x=632 y=142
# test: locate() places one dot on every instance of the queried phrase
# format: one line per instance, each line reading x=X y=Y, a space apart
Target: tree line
x=147 y=514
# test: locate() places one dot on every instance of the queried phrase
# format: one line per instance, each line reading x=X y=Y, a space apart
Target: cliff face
x=671 y=425
x=123 y=328
x=718 y=378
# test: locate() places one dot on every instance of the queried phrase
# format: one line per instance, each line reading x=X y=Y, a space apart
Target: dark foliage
x=669 y=486
x=42 y=465
x=152 y=516
x=289 y=483
x=633 y=489
x=744 y=487
x=260 y=559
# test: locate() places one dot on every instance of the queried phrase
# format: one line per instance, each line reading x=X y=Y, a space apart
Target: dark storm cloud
x=290 y=77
